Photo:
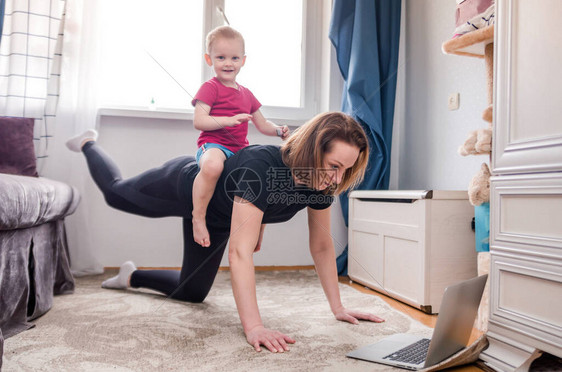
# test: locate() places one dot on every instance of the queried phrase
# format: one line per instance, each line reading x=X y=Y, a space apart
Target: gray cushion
x=30 y=201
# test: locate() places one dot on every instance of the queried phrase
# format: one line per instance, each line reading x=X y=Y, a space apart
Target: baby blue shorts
x=207 y=146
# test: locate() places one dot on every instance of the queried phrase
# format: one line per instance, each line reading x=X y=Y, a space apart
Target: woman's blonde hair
x=308 y=145
x=225 y=32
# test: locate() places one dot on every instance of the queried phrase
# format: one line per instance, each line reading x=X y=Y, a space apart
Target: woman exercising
x=259 y=185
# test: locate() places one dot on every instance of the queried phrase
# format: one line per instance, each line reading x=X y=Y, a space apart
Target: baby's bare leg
x=211 y=164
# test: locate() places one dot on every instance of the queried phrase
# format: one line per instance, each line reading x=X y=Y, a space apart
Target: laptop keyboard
x=414 y=353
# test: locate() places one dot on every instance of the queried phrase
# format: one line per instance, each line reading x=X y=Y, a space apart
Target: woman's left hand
x=353 y=316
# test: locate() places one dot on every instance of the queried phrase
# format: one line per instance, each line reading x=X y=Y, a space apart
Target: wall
x=427 y=136
x=431 y=133
x=138 y=144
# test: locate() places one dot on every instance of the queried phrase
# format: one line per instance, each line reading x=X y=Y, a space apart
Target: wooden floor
x=426 y=319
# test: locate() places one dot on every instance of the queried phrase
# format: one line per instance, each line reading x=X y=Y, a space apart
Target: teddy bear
x=484 y=309
x=479 y=142
x=479 y=186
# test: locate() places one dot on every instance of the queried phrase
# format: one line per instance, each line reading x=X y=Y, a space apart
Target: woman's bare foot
x=200 y=232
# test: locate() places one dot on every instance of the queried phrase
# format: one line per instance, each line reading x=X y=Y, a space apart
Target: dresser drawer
x=526 y=297
x=527 y=211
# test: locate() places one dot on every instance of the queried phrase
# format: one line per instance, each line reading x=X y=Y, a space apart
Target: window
x=134 y=30
x=151 y=48
x=273 y=68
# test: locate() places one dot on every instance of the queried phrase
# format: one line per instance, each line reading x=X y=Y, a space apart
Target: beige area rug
x=97 y=329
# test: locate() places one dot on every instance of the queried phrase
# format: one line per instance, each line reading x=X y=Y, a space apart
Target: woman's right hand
x=274 y=341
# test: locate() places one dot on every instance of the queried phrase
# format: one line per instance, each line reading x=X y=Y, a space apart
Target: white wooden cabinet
x=411 y=245
x=526 y=187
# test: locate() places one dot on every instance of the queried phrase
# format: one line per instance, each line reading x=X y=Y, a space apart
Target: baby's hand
x=240 y=118
x=282 y=132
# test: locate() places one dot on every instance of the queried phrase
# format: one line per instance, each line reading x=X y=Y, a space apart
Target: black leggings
x=157 y=193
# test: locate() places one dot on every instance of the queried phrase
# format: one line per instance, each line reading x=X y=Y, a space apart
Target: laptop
x=459 y=307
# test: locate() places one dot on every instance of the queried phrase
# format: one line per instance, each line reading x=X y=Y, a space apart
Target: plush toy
x=487 y=115
x=479 y=186
x=484 y=309
x=479 y=142
x=468 y=147
x=483 y=141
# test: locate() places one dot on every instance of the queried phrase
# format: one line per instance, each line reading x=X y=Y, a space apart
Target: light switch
x=454 y=101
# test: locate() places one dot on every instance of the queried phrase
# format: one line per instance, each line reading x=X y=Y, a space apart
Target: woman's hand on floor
x=274 y=341
x=353 y=316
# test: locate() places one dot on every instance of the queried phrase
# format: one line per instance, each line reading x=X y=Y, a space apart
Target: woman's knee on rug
x=191 y=294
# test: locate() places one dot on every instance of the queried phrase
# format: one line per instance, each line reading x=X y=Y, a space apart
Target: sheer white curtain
x=30 y=66
x=76 y=112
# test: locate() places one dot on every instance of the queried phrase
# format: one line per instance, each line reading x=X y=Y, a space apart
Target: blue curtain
x=2 y=7
x=365 y=35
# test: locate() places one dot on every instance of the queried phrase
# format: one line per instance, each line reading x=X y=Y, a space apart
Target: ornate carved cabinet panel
x=526 y=187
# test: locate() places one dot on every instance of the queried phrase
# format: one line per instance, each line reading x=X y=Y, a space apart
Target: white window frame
x=314 y=64
x=311 y=60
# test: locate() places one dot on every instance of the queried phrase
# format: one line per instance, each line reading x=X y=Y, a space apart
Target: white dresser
x=411 y=245
x=526 y=187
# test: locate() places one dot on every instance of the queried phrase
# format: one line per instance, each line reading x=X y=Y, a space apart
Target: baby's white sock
x=75 y=143
x=121 y=280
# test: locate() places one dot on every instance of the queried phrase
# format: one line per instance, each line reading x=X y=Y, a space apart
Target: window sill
x=171 y=114
x=144 y=112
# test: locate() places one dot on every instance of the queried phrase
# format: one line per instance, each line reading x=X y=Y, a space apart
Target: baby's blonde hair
x=225 y=32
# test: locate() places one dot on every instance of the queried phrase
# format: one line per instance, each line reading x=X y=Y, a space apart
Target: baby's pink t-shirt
x=226 y=101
